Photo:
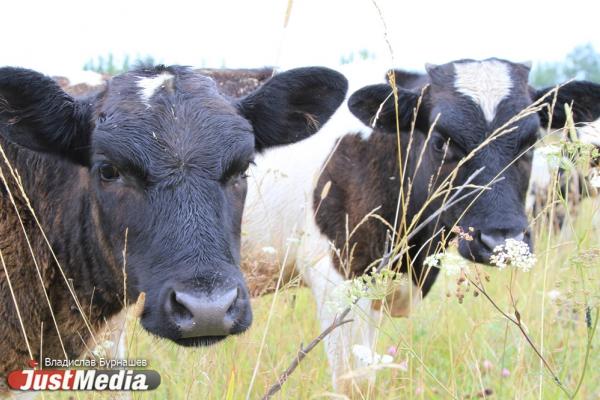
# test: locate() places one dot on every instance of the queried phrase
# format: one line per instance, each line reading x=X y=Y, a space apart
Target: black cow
x=151 y=166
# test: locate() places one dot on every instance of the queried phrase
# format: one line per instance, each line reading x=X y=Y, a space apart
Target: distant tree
x=583 y=62
x=546 y=74
x=363 y=54
x=108 y=65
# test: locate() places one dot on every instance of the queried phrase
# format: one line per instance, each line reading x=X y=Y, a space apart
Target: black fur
x=297 y=116
x=583 y=96
x=168 y=170
x=36 y=113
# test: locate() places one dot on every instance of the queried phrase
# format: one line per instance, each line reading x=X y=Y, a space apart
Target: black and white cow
x=545 y=167
x=153 y=164
x=307 y=197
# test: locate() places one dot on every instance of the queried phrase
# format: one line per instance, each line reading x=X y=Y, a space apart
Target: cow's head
x=471 y=101
x=164 y=155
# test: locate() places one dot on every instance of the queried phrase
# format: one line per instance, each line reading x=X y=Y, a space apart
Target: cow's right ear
x=37 y=114
x=375 y=105
x=583 y=95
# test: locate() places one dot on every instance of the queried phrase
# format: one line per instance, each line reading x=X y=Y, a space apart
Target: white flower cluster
x=554 y=156
x=343 y=296
x=373 y=286
x=451 y=262
x=369 y=357
x=433 y=260
x=269 y=250
x=515 y=253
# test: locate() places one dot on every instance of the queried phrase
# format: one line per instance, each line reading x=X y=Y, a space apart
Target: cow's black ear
x=407 y=79
x=375 y=104
x=37 y=114
x=585 y=97
x=293 y=105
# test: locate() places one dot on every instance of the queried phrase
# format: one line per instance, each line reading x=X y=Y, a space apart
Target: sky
x=57 y=37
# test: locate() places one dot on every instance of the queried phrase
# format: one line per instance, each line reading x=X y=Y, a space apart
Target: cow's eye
x=438 y=143
x=109 y=172
x=244 y=173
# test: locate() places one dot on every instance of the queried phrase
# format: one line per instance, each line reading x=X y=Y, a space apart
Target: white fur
x=590 y=133
x=280 y=186
x=487 y=83
x=279 y=214
x=541 y=177
x=322 y=279
x=149 y=85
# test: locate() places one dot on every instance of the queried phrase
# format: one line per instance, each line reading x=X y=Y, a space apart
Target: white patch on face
x=487 y=83
x=150 y=85
x=590 y=133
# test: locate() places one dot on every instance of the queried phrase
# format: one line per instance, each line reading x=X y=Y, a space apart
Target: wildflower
x=340 y=297
x=392 y=350
x=554 y=294
x=553 y=155
x=515 y=253
x=403 y=365
x=454 y=264
x=464 y=235
x=369 y=357
x=487 y=365
x=269 y=250
x=372 y=286
x=433 y=260
x=505 y=373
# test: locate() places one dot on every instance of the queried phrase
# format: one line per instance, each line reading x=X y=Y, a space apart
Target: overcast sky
x=56 y=37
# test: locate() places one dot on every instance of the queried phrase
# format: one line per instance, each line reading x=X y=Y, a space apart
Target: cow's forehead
x=141 y=86
x=169 y=95
x=485 y=83
x=171 y=117
x=478 y=96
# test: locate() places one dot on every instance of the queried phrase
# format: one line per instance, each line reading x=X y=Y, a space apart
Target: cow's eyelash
x=237 y=169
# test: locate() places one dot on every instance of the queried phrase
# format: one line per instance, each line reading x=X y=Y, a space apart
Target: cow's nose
x=484 y=242
x=497 y=238
x=198 y=315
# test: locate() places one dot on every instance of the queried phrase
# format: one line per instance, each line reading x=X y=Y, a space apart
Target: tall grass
x=450 y=349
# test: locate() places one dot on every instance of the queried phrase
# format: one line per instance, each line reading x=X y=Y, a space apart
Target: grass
x=451 y=349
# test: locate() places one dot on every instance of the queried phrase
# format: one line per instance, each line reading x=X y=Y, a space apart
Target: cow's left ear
x=37 y=114
x=585 y=97
x=293 y=105
x=374 y=104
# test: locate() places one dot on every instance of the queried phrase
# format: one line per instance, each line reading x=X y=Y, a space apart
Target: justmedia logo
x=83 y=379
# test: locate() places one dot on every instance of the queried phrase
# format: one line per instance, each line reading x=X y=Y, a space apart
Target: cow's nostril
x=176 y=309
x=492 y=240
x=231 y=311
